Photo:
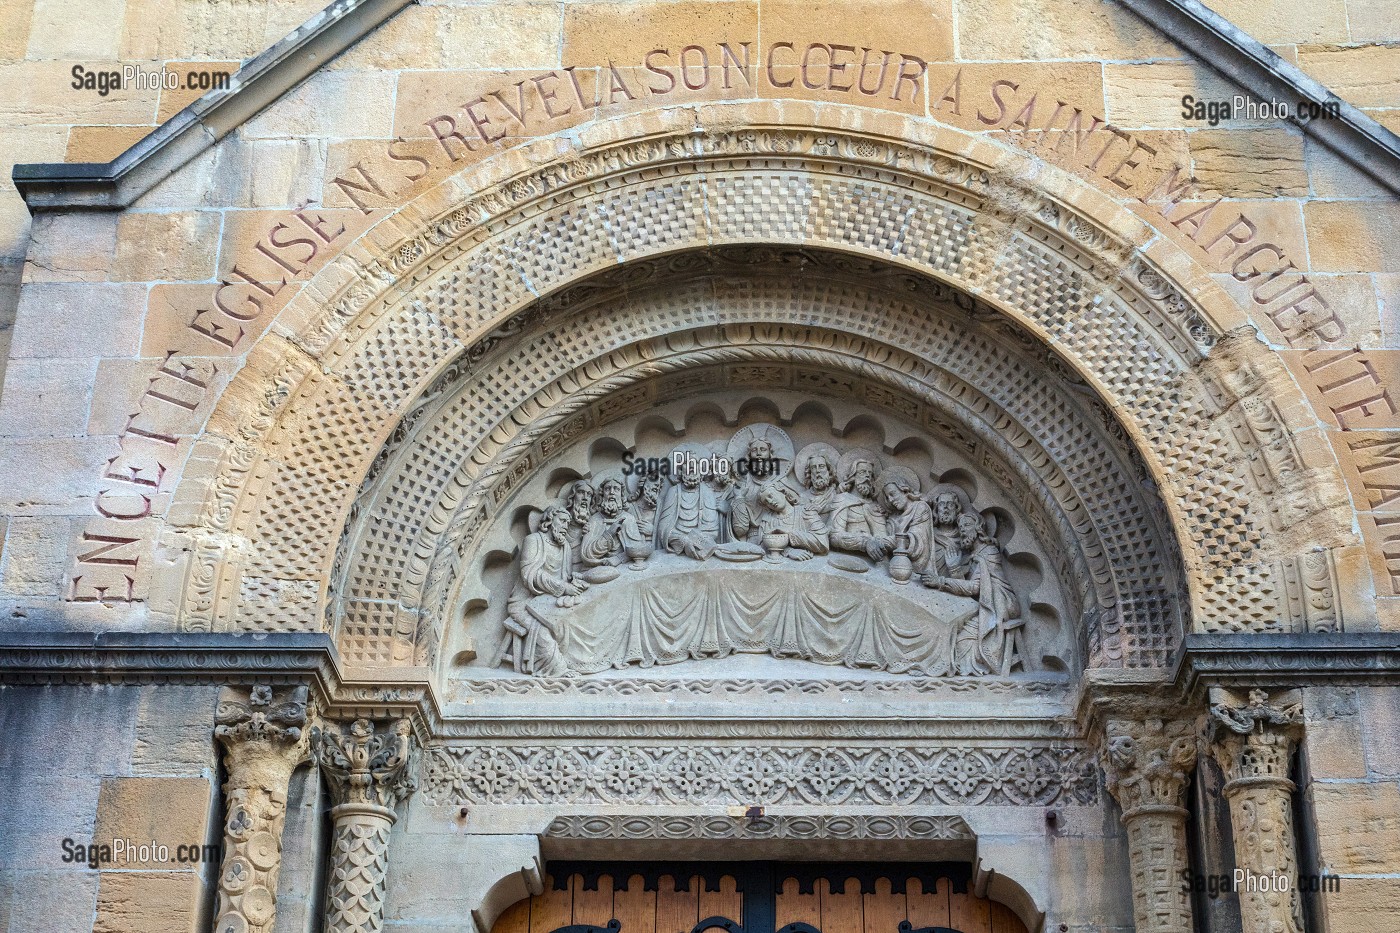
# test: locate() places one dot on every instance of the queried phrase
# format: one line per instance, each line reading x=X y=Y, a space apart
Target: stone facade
x=494 y=433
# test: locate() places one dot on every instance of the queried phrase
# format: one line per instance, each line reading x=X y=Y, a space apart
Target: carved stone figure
x=909 y=526
x=547 y=583
x=688 y=522
x=815 y=469
x=783 y=513
x=609 y=530
x=986 y=643
x=579 y=501
x=948 y=558
x=761 y=455
x=968 y=626
x=857 y=516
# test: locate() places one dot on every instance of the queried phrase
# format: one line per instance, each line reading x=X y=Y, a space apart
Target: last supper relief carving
x=881 y=550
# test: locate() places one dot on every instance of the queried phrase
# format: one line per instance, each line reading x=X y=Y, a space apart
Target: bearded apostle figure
x=988 y=642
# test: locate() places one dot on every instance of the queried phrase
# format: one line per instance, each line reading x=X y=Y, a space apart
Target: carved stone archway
x=1079 y=273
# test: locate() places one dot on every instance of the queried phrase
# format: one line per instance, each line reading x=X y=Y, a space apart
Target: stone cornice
x=116 y=184
x=1224 y=47
x=1355 y=137
x=273 y=658
x=1287 y=659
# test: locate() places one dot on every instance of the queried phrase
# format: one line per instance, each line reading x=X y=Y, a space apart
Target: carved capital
x=1148 y=764
x=263 y=735
x=1253 y=737
x=365 y=767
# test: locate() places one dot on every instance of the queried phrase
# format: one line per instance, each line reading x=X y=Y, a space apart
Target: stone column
x=1148 y=764
x=263 y=736
x=1253 y=740
x=368 y=773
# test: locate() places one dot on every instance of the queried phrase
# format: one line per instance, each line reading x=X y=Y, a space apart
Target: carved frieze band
x=650 y=774
x=860 y=826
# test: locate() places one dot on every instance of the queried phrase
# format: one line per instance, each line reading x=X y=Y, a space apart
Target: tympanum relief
x=814 y=551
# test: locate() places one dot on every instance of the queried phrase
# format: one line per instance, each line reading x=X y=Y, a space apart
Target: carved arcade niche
x=795 y=544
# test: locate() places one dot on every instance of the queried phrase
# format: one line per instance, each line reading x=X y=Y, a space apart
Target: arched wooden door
x=757 y=897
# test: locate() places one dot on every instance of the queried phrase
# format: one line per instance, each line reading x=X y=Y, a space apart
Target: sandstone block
x=153 y=811
x=68 y=321
x=597 y=33
x=997 y=29
x=38 y=92
x=45 y=901
x=1333 y=177
x=1287 y=21
x=36 y=555
x=1250 y=163
x=501 y=35
x=917 y=27
x=1333 y=739
x=1350 y=236
x=1351 y=298
x=1149 y=95
x=331 y=104
x=124 y=386
x=45 y=397
x=1380 y=710
x=172 y=732
x=56 y=33
x=166 y=247
x=1367 y=76
x=71 y=247
x=1371 y=20
x=153 y=902
x=1362 y=905
x=258 y=173
x=15 y=19
x=102 y=143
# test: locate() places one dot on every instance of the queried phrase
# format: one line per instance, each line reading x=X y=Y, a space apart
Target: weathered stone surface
x=1349 y=236
x=166 y=246
x=1025 y=29
x=161 y=902
x=1249 y=163
x=153 y=811
x=1367 y=76
x=44 y=901
x=1149 y=95
x=1358 y=826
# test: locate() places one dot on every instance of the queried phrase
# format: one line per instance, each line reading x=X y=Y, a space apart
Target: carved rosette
x=1253 y=739
x=1148 y=765
x=368 y=774
x=263 y=736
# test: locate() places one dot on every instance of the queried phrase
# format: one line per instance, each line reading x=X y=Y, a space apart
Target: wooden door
x=757 y=897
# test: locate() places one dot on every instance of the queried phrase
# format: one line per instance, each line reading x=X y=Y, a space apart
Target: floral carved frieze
x=650 y=774
x=752 y=546
x=774 y=826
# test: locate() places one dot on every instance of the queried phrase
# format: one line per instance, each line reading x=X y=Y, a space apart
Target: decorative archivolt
x=1037 y=244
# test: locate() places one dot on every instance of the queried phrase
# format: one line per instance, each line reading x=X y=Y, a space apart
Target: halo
x=805 y=455
x=782 y=445
x=958 y=492
x=847 y=463
x=898 y=471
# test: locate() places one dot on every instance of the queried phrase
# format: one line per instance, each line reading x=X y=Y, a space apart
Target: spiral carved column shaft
x=368 y=773
x=1148 y=764
x=1253 y=741
x=263 y=737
